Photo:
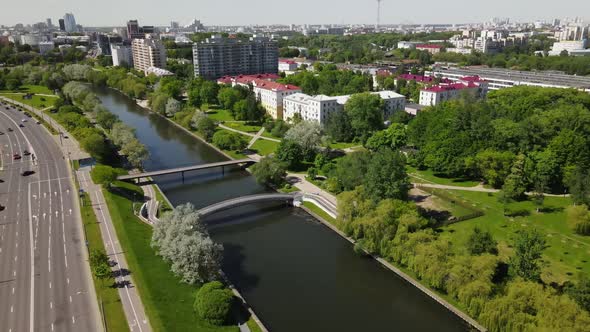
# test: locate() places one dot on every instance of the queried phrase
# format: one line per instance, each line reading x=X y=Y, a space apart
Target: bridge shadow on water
x=171 y=181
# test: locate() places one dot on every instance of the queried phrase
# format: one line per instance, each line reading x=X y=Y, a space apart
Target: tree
x=579 y=186
x=103 y=175
x=121 y=133
x=95 y=145
x=365 y=112
x=135 y=152
x=580 y=292
x=578 y=218
x=173 y=106
x=97 y=257
x=307 y=134
x=515 y=184
x=213 y=302
x=393 y=137
x=269 y=171
x=481 y=242
x=528 y=250
x=492 y=166
x=338 y=127
x=228 y=140
x=102 y=272
x=182 y=240
x=106 y=119
x=386 y=176
x=158 y=102
x=290 y=153
x=206 y=127
x=228 y=97
x=208 y=93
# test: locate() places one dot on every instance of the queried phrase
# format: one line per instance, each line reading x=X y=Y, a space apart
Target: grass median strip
x=168 y=302
x=108 y=296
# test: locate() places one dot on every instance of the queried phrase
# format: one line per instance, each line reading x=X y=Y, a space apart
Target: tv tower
x=378 y=14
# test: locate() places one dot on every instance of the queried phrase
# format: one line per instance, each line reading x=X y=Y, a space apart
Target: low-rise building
x=437 y=94
x=430 y=48
x=319 y=108
x=286 y=65
x=46 y=47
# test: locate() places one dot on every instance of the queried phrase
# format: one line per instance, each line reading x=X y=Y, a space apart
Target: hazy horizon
x=265 y=12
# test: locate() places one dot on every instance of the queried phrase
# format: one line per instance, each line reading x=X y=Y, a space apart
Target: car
x=38 y=122
x=23 y=120
x=28 y=114
x=21 y=125
x=9 y=129
x=27 y=173
x=26 y=153
x=1 y=133
x=2 y=207
x=16 y=156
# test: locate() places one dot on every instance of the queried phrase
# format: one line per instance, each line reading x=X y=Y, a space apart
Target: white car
x=23 y=120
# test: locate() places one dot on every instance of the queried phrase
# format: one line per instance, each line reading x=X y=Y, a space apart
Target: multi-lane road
x=44 y=275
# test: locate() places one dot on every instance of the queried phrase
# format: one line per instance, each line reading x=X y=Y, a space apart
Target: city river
x=294 y=272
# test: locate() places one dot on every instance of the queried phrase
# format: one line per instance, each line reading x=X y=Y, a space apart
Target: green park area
x=265 y=147
x=168 y=302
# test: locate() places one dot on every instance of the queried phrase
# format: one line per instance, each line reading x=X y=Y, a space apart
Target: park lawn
x=567 y=253
x=28 y=88
x=168 y=302
x=243 y=127
x=108 y=297
x=253 y=325
x=428 y=176
x=220 y=115
x=265 y=147
x=39 y=102
x=269 y=135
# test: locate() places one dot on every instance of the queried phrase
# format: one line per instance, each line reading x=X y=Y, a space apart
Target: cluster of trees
x=241 y=103
x=362 y=116
x=123 y=137
x=229 y=140
x=270 y=172
x=328 y=80
x=15 y=55
x=520 y=138
x=473 y=276
x=182 y=240
x=100 y=265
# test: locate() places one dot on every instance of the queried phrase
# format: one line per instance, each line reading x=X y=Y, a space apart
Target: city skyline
x=306 y=12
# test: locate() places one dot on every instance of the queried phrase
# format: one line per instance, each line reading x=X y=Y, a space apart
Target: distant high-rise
x=147 y=53
x=62 y=24
x=49 y=23
x=70 y=23
x=217 y=57
x=133 y=29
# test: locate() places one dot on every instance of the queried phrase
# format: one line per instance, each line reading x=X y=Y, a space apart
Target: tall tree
x=386 y=176
x=365 y=112
x=515 y=184
x=528 y=251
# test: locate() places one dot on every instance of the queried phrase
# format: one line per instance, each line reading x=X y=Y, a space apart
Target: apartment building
x=437 y=94
x=269 y=93
x=147 y=53
x=217 y=57
x=122 y=55
x=319 y=108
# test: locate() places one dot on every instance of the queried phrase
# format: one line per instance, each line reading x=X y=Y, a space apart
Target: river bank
x=266 y=249
x=433 y=295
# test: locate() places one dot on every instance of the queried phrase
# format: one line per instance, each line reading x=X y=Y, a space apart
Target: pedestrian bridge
x=244 y=200
x=181 y=170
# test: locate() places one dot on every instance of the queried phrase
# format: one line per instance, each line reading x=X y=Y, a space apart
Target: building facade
x=319 y=108
x=437 y=94
x=147 y=53
x=122 y=55
x=70 y=23
x=217 y=57
x=46 y=47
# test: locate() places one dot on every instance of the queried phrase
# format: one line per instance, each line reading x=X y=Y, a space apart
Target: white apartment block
x=319 y=108
x=121 y=55
x=287 y=65
x=147 y=53
x=437 y=94
x=46 y=47
x=570 y=46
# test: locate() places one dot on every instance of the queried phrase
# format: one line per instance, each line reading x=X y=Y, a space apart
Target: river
x=294 y=272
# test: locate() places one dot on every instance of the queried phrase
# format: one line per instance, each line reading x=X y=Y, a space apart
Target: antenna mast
x=378 y=14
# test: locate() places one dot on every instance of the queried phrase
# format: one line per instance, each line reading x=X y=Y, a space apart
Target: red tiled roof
x=448 y=87
x=423 y=79
x=474 y=78
x=291 y=62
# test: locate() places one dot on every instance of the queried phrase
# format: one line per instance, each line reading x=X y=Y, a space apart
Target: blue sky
x=242 y=12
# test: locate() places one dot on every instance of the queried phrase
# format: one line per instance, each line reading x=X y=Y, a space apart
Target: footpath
x=132 y=305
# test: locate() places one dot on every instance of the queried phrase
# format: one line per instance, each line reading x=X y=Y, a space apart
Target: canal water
x=295 y=273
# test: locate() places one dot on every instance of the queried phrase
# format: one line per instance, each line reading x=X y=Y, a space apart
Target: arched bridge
x=244 y=200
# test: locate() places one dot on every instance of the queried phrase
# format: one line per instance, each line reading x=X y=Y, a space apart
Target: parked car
x=9 y=129
x=23 y=120
x=21 y=125
x=26 y=153
x=27 y=173
x=16 y=156
x=1 y=133
x=2 y=207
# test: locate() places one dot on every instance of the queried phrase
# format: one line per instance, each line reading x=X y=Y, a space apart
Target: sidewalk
x=130 y=299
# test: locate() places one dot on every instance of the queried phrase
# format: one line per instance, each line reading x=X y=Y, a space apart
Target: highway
x=44 y=276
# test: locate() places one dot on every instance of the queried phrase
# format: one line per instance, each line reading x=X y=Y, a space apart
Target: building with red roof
x=437 y=94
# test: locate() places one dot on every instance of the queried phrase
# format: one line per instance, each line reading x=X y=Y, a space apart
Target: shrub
x=229 y=140
x=213 y=303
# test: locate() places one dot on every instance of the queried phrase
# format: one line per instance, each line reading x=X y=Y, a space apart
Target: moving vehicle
x=2 y=207
x=23 y=120
x=9 y=129
x=21 y=125
x=26 y=153
x=16 y=156
x=1 y=133
x=27 y=173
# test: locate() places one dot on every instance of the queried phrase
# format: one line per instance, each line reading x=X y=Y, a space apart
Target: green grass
x=252 y=325
x=243 y=127
x=269 y=135
x=35 y=101
x=31 y=89
x=315 y=209
x=265 y=147
x=343 y=145
x=288 y=189
x=220 y=115
x=76 y=164
x=567 y=254
x=167 y=301
x=108 y=297
x=164 y=205
x=428 y=176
